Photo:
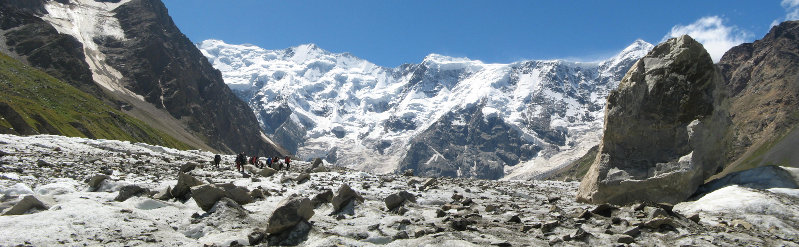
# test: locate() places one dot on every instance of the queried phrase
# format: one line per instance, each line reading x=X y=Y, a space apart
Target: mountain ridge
x=341 y=105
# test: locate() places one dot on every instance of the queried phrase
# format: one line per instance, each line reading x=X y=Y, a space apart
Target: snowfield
x=360 y=115
x=446 y=212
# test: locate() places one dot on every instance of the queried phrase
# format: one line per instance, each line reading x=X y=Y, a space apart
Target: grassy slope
x=39 y=103
x=577 y=169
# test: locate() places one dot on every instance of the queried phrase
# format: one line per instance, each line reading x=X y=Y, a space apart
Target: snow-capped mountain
x=443 y=117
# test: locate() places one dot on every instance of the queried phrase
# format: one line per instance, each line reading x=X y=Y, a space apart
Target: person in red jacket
x=288 y=163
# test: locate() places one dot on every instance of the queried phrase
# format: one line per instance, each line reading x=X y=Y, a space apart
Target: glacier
x=364 y=116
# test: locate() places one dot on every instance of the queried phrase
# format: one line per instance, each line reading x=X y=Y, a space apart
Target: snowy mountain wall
x=443 y=117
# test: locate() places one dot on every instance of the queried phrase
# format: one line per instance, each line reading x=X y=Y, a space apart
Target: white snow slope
x=345 y=105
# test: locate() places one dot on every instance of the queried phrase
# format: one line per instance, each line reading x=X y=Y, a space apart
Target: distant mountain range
x=443 y=117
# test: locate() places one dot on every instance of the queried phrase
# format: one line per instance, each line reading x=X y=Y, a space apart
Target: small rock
x=302 y=178
x=322 y=198
x=266 y=172
x=585 y=214
x=256 y=237
x=183 y=187
x=257 y=193
x=579 y=234
x=428 y=183
x=408 y=173
x=741 y=224
x=502 y=244
x=206 y=195
x=460 y=224
x=239 y=194
x=657 y=222
x=95 y=181
x=344 y=195
x=398 y=199
x=549 y=226
x=515 y=219
x=188 y=167
x=625 y=239
x=28 y=202
x=553 y=199
x=42 y=163
x=129 y=191
x=290 y=212
x=694 y=218
x=634 y=231
x=467 y=202
x=440 y=213
x=657 y=213
x=604 y=209
x=457 y=197
x=490 y=208
x=164 y=194
x=401 y=235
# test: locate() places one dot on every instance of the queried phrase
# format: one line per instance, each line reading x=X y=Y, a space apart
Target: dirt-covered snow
x=447 y=212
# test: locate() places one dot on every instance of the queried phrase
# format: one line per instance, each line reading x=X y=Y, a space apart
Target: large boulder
x=239 y=194
x=289 y=212
x=189 y=166
x=207 y=195
x=28 y=202
x=664 y=128
x=764 y=177
x=343 y=196
x=183 y=187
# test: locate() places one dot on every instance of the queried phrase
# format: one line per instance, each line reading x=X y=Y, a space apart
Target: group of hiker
x=271 y=162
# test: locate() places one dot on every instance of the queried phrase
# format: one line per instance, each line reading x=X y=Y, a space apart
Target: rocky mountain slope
x=443 y=117
x=132 y=55
x=763 y=84
x=73 y=191
x=33 y=102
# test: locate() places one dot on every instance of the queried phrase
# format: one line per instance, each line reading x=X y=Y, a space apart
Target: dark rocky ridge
x=184 y=95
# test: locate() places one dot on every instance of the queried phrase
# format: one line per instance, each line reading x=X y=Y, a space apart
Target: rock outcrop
x=664 y=128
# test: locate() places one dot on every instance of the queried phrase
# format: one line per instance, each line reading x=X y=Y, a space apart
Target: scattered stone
x=633 y=231
x=129 y=191
x=183 y=187
x=579 y=234
x=42 y=163
x=460 y=224
x=257 y=193
x=302 y=178
x=95 y=181
x=188 y=166
x=401 y=235
x=625 y=239
x=289 y=212
x=28 y=202
x=408 y=173
x=553 y=199
x=440 y=213
x=694 y=218
x=741 y=224
x=266 y=172
x=206 y=195
x=467 y=202
x=239 y=194
x=656 y=213
x=668 y=207
x=585 y=214
x=256 y=236
x=502 y=244
x=657 y=222
x=604 y=210
x=164 y=194
x=428 y=183
x=491 y=208
x=398 y=199
x=515 y=219
x=457 y=197
x=344 y=195
x=322 y=198
x=549 y=226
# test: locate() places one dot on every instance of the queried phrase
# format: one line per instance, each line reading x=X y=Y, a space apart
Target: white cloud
x=792 y=7
x=716 y=37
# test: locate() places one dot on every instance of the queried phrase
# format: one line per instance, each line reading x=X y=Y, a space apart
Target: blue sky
x=393 y=32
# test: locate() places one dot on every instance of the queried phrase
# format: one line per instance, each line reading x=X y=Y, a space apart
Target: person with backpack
x=217 y=159
x=240 y=160
x=288 y=163
x=269 y=162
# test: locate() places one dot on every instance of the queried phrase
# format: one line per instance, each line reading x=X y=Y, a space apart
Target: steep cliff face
x=762 y=79
x=131 y=52
x=664 y=128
